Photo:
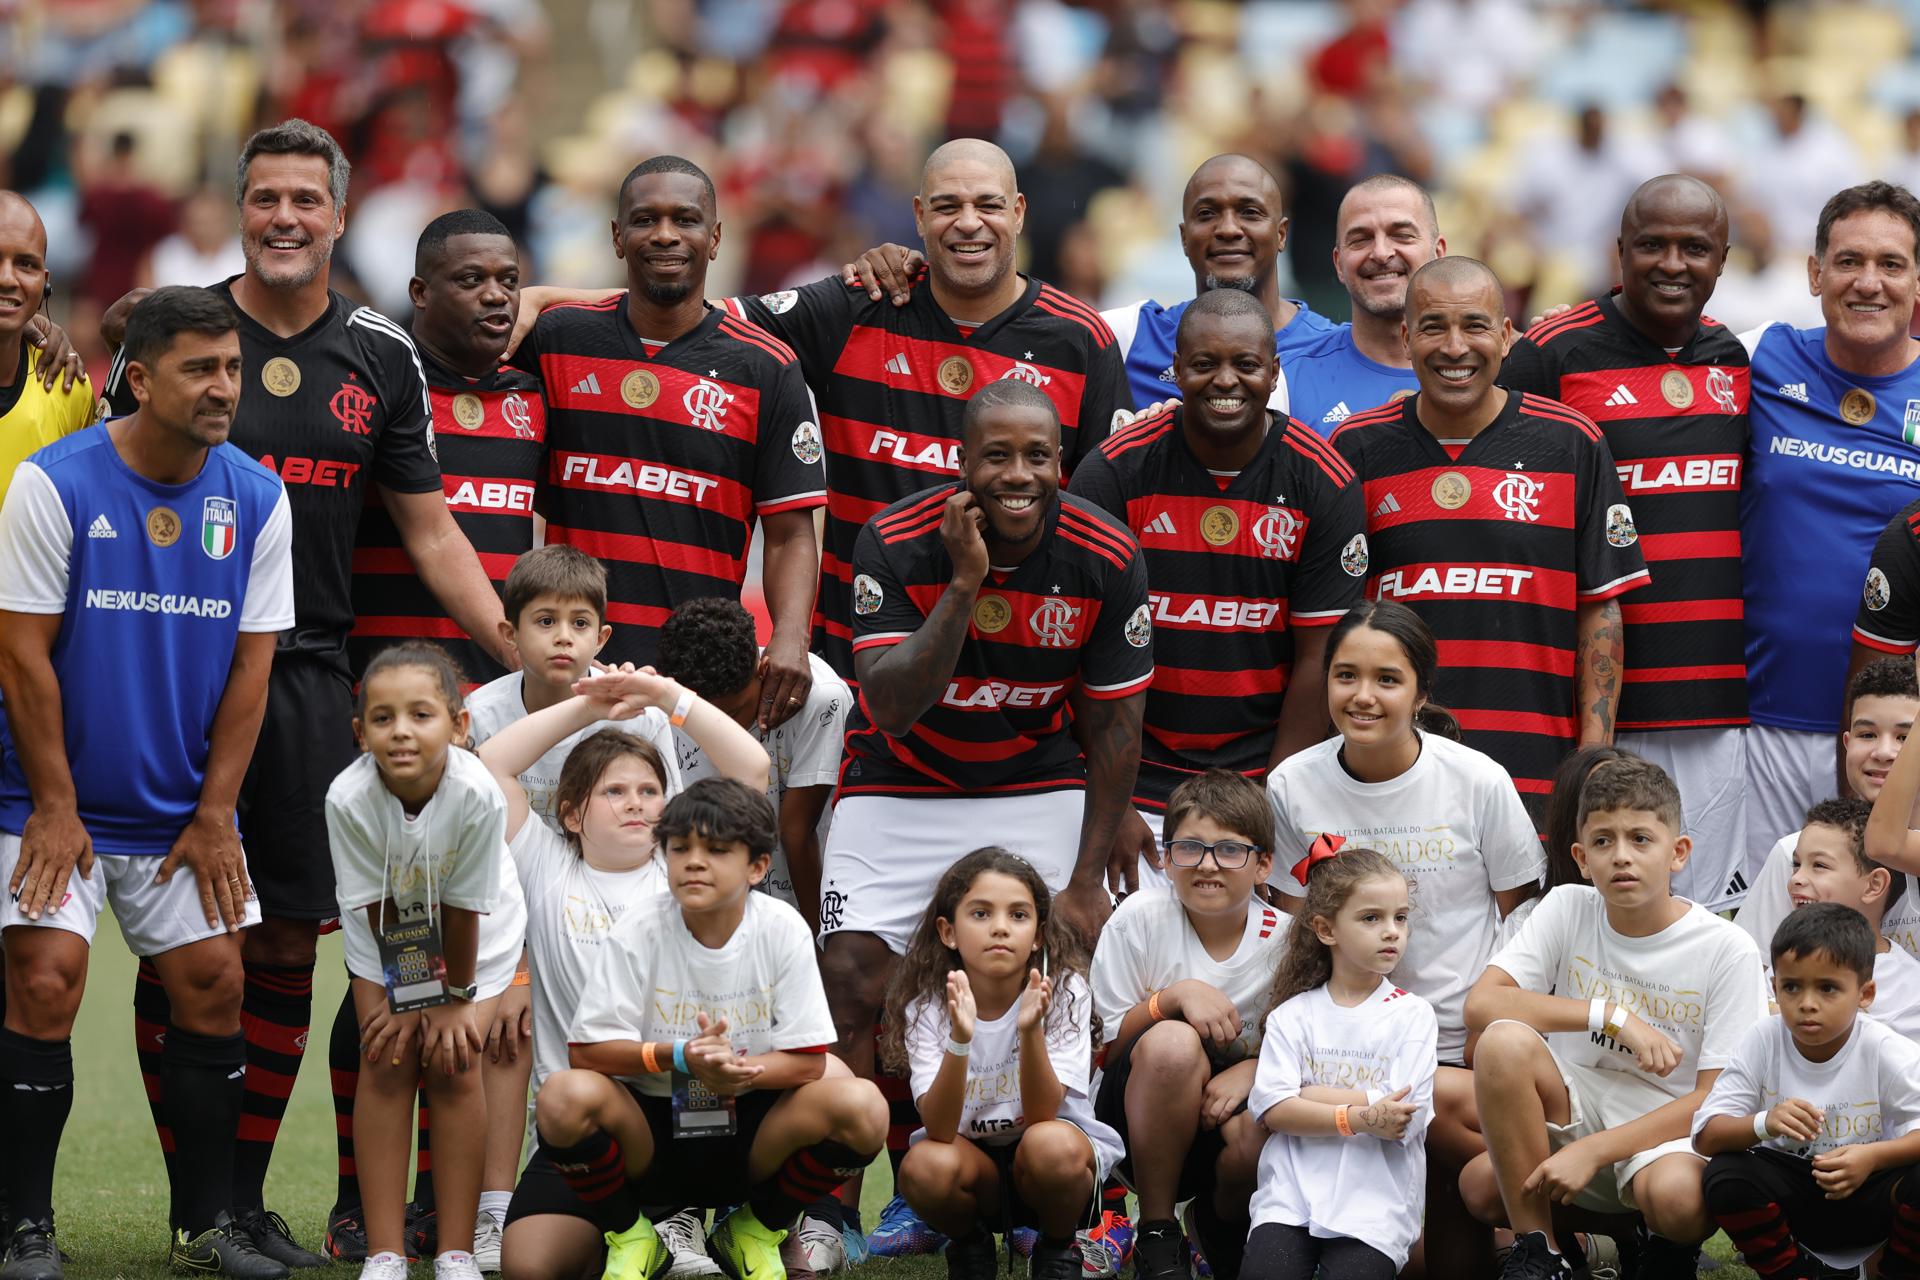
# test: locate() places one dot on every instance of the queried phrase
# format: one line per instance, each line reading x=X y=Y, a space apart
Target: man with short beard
x=335 y=399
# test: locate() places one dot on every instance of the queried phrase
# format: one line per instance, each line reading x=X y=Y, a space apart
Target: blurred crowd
x=1530 y=119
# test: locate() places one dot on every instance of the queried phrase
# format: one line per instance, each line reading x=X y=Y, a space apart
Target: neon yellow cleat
x=746 y=1248
x=637 y=1253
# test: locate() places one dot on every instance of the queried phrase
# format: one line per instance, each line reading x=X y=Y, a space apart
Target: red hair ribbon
x=1326 y=845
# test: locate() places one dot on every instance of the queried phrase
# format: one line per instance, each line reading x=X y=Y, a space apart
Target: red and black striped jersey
x=492 y=440
x=1677 y=427
x=332 y=410
x=660 y=462
x=892 y=383
x=1234 y=564
x=1889 y=615
x=1497 y=548
x=1072 y=616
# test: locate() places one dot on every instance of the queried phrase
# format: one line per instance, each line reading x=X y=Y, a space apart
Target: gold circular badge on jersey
x=1400 y=395
x=1451 y=490
x=991 y=614
x=1219 y=525
x=1675 y=387
x=280 y=376
x=1857 y=408
x=163 y=526
x=468 y=411
x=640 y=388
x=956 y=375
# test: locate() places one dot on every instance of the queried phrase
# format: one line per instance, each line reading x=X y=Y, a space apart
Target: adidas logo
x=1161 y=524
x=1388 y=505
x=1738 y=884
x=900 y=366
x=100 y=528
x=1339 y=413
x=587 y=386
x=1622 y=396
x=1166 y=374
x=1795 y=391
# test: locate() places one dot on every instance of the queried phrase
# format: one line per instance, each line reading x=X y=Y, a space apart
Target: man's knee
x=205 y=983
x=44 y=987
x=278 y=940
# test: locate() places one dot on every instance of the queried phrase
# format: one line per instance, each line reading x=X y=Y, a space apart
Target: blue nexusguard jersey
x=153 y=583
x=1328 y=381
x=1834 y=456
x=1145 y=331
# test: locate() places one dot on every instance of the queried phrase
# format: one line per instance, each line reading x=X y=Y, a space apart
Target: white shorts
x=885 y=853
x=154 y=918
x=1788 y=772
x=1709 y=766
x=503 y=934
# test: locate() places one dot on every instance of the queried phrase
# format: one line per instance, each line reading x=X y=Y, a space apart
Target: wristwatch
x=463 y=994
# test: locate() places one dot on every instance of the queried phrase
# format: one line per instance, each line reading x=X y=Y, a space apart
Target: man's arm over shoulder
x=814 y=319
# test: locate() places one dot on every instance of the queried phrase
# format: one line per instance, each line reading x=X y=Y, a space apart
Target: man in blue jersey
x=149 y=548
x=1387 y=230
x=1835 y=453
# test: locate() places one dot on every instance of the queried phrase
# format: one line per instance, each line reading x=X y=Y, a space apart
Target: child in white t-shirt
x=699 y=1056
x=1601 y=1026
x=1345 y=1084
x=580 y=879
x=991 y=1016
x=1814 y=1128
x=1830 y=864
x=417 y=830
x=1181 y=978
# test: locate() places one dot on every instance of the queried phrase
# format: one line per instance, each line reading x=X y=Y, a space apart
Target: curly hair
x=1307 y=962
x=709 y=645
x=924 y=968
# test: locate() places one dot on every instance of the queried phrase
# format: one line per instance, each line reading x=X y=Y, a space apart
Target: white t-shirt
x=571 y=910
x=803 y=752
x=1360 y=1187
x=1148 y=943
x=1870 y=1091
x=653 y=977
x=1698 y=981
x=1768 y=903
x=454 y=848
x=499 y=703
x=992 y=1113
x=1455 y=826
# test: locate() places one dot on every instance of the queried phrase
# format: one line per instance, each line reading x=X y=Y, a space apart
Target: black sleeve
x=1889 y=615
x=815 y=320
x=1105 y=396
x=404 y=457
x=1098 y=481
x=1528 y=367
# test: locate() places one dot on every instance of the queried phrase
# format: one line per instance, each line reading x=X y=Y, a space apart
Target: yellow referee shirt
x=31 y=417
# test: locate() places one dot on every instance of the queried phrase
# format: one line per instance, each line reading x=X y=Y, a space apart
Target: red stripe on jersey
x=600 y=472
x=849 y=509
x=1882 y=644
x=1191 y=743
x=1580 y=317
x=594 y=384
x=634 y=615
x=613 y=303
x=1533 y=786
x=1065 y=304
x=1514 y=722
x=1097 y=529
x=395 y=560
x=409 y=628
x=634 y=548
x=1708 y=544
x=873 y=355
x=1651 y=675
x=852 y=438
x=1021 y=630
x=1554 y=411
x=1168 y=522
x=1074 y=536
x=1125 y=690
x=991 y=751
x=798 y=502
x=838 y=630
x=1612 y=395
x=1306 y=440
x=1180 y=612
x=1524 y=584
x=927 y=522
x=1705 y=473
x=1913 y=523
x=1192 y=682
x=913 y=514
x=752 y=334
x=1619 y=586
x=1138 y=434
x=1684 y=611
x=1544 y=499
x=1509 y=654
x=1392 y=411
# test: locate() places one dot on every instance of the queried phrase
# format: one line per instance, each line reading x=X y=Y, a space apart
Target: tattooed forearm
x=900 y=682
x=1601 y=654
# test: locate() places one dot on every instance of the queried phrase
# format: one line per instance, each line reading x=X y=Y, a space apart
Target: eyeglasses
x=1228 y=855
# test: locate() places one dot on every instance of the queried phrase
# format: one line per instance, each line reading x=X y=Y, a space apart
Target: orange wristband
x=522 y=979
x=646 y=1058
x=1340 y=1120
x=1153 y=1007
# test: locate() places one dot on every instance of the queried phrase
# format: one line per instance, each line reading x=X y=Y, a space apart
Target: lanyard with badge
x=412 y=959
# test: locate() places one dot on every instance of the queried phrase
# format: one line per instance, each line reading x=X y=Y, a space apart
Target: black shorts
x=1014 y=1210
x=1110 y=1106
x=306 y=739
x=698 y=1173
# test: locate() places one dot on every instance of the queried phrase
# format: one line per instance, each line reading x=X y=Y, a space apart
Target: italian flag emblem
x=219 y=523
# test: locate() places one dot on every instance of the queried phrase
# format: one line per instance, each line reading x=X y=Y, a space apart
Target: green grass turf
x=110 y=1194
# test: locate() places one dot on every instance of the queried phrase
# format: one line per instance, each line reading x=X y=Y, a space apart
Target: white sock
x=494 y=1205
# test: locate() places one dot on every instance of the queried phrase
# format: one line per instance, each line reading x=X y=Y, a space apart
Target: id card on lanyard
x=413 y=962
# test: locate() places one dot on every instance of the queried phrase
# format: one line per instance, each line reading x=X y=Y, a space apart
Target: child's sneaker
x=1160 y=1252
x=384 y=1266
x=1105 y=1249
x=637 y=1253
x=487 y=1237
x=1531 y=1259
x=1021 y=1240
x=972 y=1257
x=346 y=1239
x=455 y=1265
x=422 y=1232
x=1056 y=1262
x=685 y=1234
x=901 y=1233
x=853 y=1237
x=821 y=1245
x=745 y=1247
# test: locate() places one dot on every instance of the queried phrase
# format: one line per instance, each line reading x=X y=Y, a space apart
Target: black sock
x=38 y=1075
x=423 y=1166
x=343 y=1072
x=274 y=1014
x=803 y=1177
x=152 y=1011
x=204 y=1078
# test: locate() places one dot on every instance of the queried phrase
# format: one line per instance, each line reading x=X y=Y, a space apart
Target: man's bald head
x=17 y=211
x=1454 y=275
x=1672 y=198
x=23 y=264
x=968 y=151
x=1234 y=167
x=1673 y=246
